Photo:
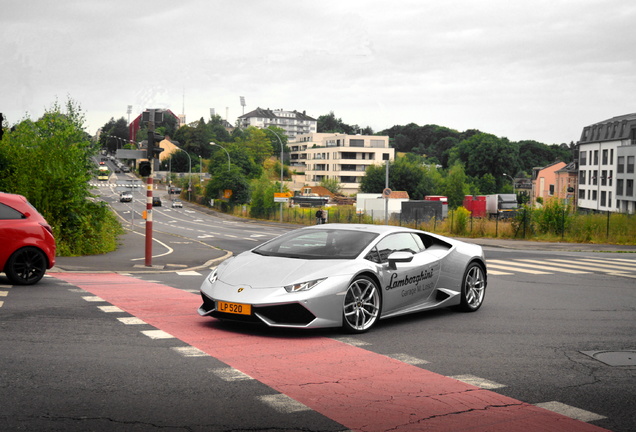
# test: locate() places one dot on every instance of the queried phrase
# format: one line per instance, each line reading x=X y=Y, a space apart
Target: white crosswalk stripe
x=618 y=267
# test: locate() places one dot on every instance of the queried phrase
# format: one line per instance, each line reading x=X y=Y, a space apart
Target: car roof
x=14 y=200
x=378 y=229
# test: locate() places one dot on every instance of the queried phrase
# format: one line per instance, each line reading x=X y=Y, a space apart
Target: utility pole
x=146 y=169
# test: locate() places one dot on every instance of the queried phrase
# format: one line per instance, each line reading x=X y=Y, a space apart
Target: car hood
x=259 y=271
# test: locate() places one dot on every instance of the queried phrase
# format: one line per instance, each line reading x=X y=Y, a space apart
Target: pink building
x=544 y=182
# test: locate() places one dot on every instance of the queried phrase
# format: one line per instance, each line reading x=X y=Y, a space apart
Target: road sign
x=131 y=154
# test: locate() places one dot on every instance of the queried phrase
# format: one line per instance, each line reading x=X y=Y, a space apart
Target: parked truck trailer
x=501 y=206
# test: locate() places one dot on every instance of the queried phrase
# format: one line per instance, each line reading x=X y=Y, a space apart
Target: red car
x=27 y=245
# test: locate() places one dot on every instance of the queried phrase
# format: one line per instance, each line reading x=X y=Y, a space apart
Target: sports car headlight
x=303 y=286
x=213 y=276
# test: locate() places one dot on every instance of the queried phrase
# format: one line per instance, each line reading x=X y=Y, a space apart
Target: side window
x=7 y=212
x=395 y=242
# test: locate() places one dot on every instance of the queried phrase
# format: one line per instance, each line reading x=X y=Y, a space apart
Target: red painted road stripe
x=359 y=389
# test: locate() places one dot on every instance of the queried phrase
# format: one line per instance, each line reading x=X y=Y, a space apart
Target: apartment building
x=292 y=122
x=338 y=156
x=607 y=154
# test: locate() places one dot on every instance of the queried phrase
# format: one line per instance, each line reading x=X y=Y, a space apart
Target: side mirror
x=399 y=257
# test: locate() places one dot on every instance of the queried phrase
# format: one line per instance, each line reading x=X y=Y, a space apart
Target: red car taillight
x=47 y=227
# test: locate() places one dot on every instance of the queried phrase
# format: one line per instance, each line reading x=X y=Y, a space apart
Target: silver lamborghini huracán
x=345 y=275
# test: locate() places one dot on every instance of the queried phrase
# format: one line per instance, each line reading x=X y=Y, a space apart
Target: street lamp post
x=513 y=182
x=189 y=170
x=281 y=171
x=228 y=155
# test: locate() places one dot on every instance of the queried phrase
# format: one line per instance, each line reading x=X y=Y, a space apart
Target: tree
x=233 y=180
x=331 y=184
x=114 y=135
x=49 y=162
x=484 y=153
x=257 y=143
x=263 y=197
x=456 y=185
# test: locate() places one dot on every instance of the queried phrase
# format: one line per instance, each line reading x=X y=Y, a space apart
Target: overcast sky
x=539 y=70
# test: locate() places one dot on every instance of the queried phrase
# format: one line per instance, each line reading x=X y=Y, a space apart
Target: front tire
x=473 y=288
x=362 y=304
x=26 y=266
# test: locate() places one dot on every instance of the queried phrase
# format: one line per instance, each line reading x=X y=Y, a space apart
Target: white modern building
x=338 y=156
x=607 y=155
x=292 y=122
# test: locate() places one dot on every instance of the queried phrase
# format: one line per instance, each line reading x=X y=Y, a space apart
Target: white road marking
x=405 y=358
x=607 y=263
x=131 y=320
x=93 y=299
x=352 y=341
x=190 y=351
x=478 y=382
x=516 y=269
x=570 y=411
x=109 y=309
x=188 y=273
x=283 y=403
x=584 y=266
x=4 y=293
x=539 y=267
x=498 y=273
x=157 y=334
x=230 y=374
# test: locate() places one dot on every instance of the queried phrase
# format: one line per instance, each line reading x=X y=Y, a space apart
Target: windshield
x=318 y=244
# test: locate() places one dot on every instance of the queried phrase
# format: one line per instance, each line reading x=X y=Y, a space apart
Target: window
x=595 y=157
x=630 y=164
x=629 y=190
x=377 y=143
x=551 y=189
x=356 y=143
x=620 y=164
x=7 y=212
x=604 y=178
x=603 y=197
x=595 y=178
x=582 y=177
x=619 y=187
x=583 y=158
x=582 y=194
x=405 y=242
x=605 y=157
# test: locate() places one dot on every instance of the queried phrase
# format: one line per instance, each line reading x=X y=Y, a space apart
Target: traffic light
x=144 y=168
x=153 y=144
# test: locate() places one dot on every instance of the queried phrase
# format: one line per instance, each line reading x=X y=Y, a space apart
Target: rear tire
x=473 y=288
x=26 y=266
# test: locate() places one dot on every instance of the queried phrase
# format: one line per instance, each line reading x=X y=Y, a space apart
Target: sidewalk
x=549 y=246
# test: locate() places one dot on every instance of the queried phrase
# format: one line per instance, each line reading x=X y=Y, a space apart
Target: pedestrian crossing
x=579 y=266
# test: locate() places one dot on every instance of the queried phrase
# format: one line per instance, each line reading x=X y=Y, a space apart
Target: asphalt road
x=84 y=349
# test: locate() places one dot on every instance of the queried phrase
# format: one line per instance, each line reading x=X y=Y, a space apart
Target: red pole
x=148 y=261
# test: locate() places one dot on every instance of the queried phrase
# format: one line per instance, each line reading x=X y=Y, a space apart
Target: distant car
x=102 y=162
x=125 y=197
x=117 y=171
x=28 y=245
x=125 y=169
x=345 y=275
x=174 y=190
x=156 y=201
x=177 y=203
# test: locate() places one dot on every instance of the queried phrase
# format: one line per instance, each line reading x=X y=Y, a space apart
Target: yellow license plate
x=234 y=308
